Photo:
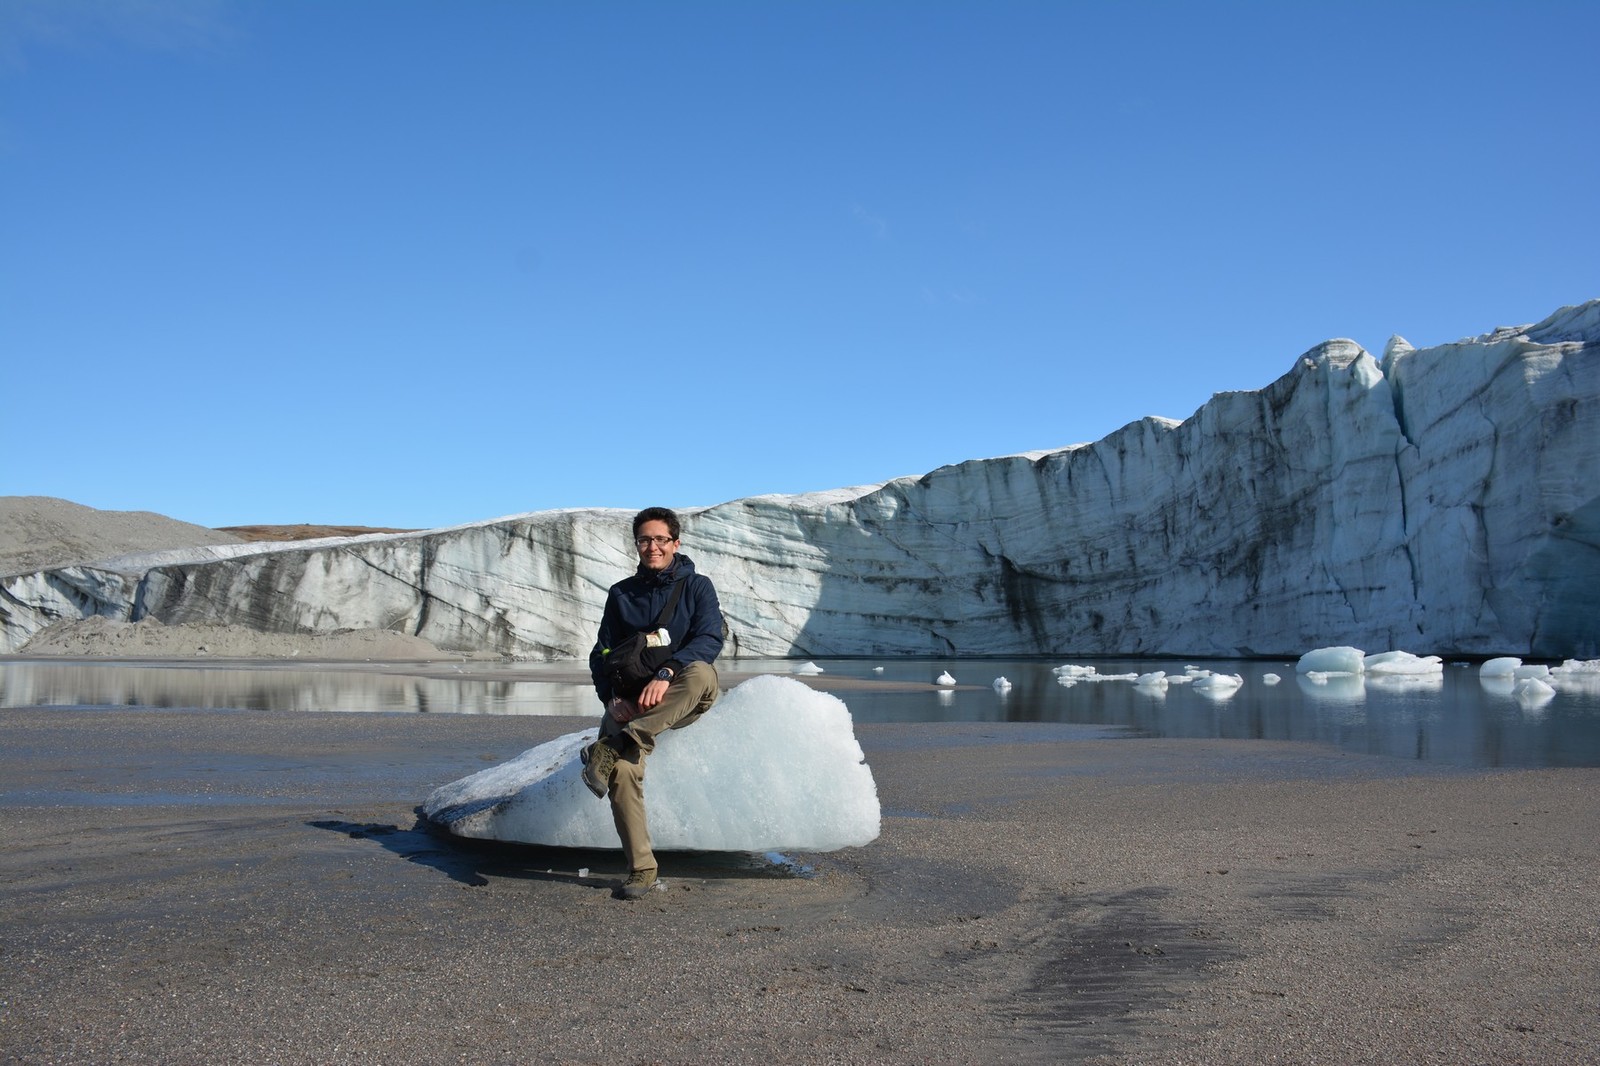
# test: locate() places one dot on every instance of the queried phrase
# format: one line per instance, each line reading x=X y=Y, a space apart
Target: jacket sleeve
x=610 y=622
x=704 y=639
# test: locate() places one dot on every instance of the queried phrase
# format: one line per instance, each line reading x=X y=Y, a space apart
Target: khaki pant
x=689 y=696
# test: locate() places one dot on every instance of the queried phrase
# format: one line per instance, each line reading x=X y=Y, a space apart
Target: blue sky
x=413 y=264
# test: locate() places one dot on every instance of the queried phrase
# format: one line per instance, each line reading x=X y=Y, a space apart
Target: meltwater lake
x=1456 y=720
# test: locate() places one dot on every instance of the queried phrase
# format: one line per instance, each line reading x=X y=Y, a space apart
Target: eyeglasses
x=660 y=542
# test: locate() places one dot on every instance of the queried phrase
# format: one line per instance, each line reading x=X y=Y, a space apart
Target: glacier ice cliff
x=1444 y=499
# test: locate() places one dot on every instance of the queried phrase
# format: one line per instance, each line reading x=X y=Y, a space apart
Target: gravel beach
x=227 y=886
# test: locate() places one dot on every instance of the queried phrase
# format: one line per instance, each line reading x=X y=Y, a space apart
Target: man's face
x=655 y=544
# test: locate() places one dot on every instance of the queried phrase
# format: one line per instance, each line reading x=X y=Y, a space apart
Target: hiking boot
x=638 y=883
x=599 y=759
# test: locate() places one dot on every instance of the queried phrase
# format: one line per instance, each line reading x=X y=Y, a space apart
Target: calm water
x=1457 y=720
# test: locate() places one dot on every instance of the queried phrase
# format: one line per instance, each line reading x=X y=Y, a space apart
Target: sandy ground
x=150 y=639
x=208 y=886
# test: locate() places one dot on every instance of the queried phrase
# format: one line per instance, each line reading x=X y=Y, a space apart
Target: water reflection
x=1455 y=719
x=275 y=688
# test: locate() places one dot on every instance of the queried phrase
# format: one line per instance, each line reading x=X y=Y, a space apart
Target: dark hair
x=656 y=514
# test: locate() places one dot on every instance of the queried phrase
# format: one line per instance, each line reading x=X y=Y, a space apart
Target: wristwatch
x=663 y=674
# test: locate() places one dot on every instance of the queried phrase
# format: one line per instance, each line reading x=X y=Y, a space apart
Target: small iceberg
x=807 y=668
x=1504 y=666
x=1577 y=674
x=1402 y=664
x=1533 y=693
x=1339 y=660
x=774 y=766
x=1218 y=686
x=944 y=679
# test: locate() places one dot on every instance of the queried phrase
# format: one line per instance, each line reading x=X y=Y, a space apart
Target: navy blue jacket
x=633 y=604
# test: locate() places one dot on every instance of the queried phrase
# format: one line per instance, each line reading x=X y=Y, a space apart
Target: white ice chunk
x=1154 y=679
x=1270 y=679
x=1505 y=666
x=1073 y=670
x=807 y=668
x=1402 y=664
x=944 y=679
x=877 y=669
x=1577 y=668
x=773 y=766
x=1002 y=685
x=1533 y=693
x=1531 y=670
x=1218 y=686
x=1339 y=660
x=1576 y=675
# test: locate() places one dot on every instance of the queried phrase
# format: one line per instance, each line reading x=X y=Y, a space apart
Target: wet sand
x=230 y=886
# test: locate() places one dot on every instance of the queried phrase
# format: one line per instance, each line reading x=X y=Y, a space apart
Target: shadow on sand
x=474 y=862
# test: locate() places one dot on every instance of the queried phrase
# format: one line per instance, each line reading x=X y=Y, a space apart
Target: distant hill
x=40 y=532
x=304 y=532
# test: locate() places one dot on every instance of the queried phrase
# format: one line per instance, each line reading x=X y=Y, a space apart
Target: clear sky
x=419 y=263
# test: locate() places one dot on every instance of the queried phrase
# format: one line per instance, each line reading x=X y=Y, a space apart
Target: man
x=681 y=691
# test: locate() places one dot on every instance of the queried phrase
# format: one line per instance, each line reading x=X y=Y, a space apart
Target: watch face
x=664 y=674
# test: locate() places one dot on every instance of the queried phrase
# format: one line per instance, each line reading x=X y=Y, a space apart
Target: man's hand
x=622 y=710
x=653 y=693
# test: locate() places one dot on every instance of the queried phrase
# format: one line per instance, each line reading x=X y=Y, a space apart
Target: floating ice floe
x=1002 y=685
x=773 y=766
x=877 y=669
x=807 y=668
x=1270 y=679
x=944 y=679
x=1577 y=670
x=1504 y=666
x=1338 y=660
x=1533 y=693
x=1402 y=664
x=1155 y=681
x=1071 y=674
x=1505 y=676
x=1218 y=686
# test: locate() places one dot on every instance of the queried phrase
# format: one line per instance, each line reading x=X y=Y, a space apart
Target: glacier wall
x=1442 y=500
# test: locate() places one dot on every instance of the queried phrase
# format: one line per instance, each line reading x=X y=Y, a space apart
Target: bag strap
x=672 y=601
